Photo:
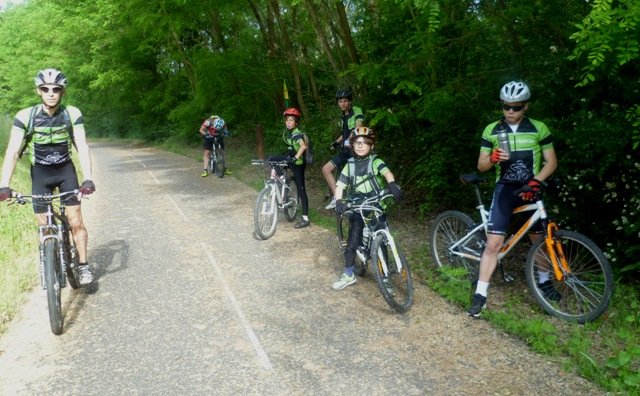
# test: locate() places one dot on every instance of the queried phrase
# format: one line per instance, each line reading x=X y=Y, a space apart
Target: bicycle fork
x=394 y=250
x=556 y=252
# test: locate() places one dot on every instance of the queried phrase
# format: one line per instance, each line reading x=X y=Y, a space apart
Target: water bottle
x=503 y=139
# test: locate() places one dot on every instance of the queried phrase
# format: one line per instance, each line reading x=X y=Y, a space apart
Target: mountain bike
x=378 y=251
x=581 y=277
x=58 y=252
x=216 y=158
x=279 y=192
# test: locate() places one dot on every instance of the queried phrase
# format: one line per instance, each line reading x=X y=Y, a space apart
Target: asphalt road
x=188 y=302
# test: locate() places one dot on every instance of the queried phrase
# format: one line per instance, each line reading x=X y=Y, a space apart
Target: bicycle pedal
x=508 y=278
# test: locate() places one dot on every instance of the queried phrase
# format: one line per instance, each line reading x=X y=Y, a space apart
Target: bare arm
x=301 y=149
x=84 y=155
x=11 y=155
x=550 y=164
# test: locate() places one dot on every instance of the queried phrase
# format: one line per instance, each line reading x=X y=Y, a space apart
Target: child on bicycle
x=362 y=176
x=212 y=128
x=296 y=148
x=531 y=160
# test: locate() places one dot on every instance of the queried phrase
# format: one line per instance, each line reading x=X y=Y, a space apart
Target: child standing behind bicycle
x=526 y=159
x=296 y=148
x=362 y=176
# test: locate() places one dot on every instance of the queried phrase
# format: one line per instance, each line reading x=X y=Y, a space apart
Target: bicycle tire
x=52 y=284
x=448 y=228
x=400 y=295
x=219 y=165
x=292 y=201
x=585 y=292
x=71 y=254
x=265 y=214
x=212 y=163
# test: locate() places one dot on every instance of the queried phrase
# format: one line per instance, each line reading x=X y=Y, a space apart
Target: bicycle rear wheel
x=292 y=201
x=586 y=289
x=393 y=277
x=219 y=164
x=52 y=283
x=265 y=214
x=447 y=229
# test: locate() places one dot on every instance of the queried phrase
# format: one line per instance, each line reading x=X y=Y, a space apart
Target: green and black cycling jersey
x=530 y=139
x=363 y=176
x=292 y=139
x=52 y=138
x=348 y=121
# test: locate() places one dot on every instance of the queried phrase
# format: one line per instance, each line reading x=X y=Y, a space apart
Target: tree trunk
x=346 y=31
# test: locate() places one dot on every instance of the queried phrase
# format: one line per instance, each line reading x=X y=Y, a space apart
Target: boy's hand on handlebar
x=341 y=207
x=532 y=189
x=87 y=187
x=334 y=145
x=395 y=190
x=5 y=193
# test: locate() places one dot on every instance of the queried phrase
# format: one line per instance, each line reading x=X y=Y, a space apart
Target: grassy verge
x=18 y=239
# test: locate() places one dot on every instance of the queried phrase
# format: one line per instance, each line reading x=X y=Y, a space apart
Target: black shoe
x=478 y=302
x=85 y=276
x=549 y=291
x=302 y=223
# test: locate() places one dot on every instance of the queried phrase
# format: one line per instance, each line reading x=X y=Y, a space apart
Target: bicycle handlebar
x=21 y=198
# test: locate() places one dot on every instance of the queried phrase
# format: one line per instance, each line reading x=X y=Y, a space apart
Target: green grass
x=19 y=241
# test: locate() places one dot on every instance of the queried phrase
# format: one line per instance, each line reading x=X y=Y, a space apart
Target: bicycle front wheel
x=586 y=289
x=219 y=164
x=212 y=163
x=447 y=229
x=71 y=254
x=292 y=201
x=265 y=214
x=392 y=274
x=52 y=283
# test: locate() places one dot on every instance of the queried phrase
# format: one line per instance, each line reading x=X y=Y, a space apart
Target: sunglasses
x=54 y=89
x=361 y=143
x=514 y=108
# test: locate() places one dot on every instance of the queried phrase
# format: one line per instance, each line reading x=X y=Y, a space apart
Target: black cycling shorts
x=45 y=179
x=340 y=159
x=207 y=143
x=501 y=211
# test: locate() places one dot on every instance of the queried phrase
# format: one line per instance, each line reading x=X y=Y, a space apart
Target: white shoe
x=331 y=205
x=344 y=281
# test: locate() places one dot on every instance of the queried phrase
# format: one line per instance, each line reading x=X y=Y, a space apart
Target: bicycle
x=58 y=252
x=279 y=192
x=216 y=158
x=581 y=277
x=391 y=271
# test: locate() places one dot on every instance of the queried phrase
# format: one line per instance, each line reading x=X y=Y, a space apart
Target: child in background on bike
x=362 y=176
x=211 y=128
x=531 y=160
x=296 y=147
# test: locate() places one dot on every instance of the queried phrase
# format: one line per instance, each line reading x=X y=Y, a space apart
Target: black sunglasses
x=514 y=108
x=54 y=89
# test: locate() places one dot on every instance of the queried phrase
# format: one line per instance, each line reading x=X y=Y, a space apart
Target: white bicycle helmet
x=515 y=91
x=218 y=124
x=50 y=76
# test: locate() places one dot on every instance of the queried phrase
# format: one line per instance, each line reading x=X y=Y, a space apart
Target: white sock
x=305 y=218
x=481 y=288
x=543 y=276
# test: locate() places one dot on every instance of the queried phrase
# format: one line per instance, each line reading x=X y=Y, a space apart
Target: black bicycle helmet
x=344 y=93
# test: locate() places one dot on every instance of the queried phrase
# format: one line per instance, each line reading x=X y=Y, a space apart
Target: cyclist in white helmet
x=212 y=128
x=530 y=160
x=48 y=131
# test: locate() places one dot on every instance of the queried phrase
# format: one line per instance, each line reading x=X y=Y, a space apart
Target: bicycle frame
x=554 y=248
x=369 y=206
